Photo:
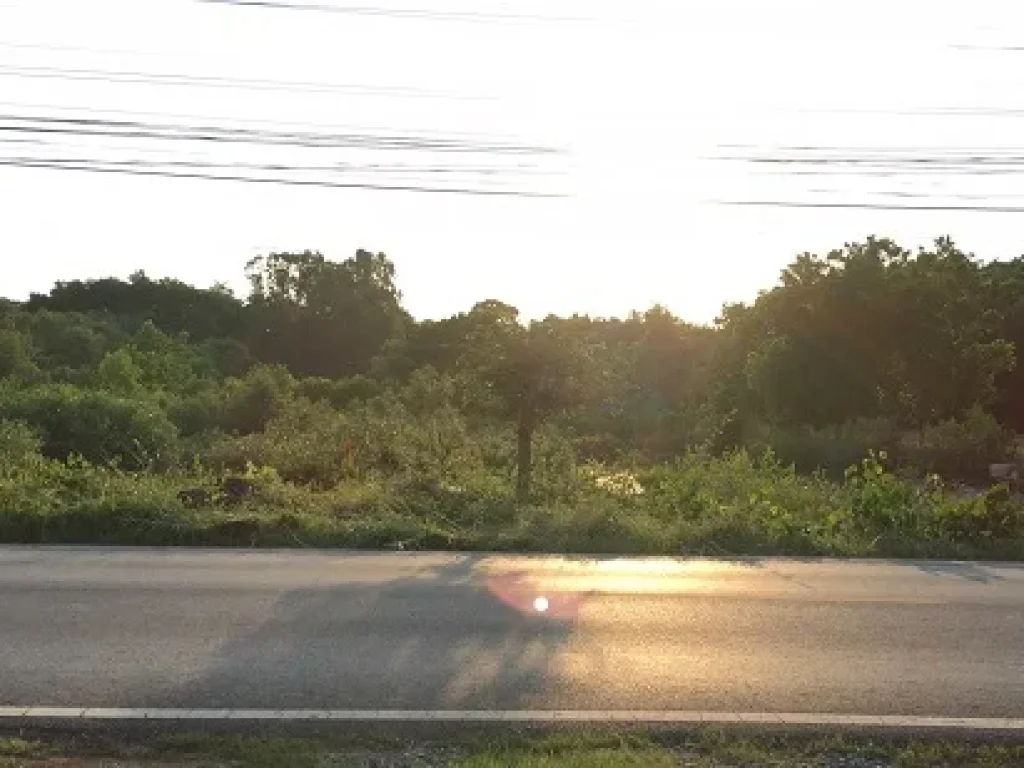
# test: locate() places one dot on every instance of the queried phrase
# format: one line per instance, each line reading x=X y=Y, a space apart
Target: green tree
x=70 y=341
x=534 y=371
x=15 y=354
x=868 y=330
x=323 y=318
x=119 y=373
x=1005 y=295
x=172 y=306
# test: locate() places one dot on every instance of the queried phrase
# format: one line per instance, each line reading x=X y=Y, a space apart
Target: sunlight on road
x=557 y=587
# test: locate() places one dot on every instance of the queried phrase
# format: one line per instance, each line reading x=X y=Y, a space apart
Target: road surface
x=93 y=627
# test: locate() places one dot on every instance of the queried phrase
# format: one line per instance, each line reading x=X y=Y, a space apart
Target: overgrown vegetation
x=856 y=408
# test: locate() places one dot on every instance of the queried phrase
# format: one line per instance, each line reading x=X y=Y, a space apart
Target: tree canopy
x=869 y=333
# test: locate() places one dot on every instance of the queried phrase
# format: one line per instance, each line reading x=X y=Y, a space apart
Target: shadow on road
x=445 y=638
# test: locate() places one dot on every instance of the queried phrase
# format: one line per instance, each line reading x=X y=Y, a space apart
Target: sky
x=662 y=113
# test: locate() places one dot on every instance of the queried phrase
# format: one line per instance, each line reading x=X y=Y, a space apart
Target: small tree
x=533 y=371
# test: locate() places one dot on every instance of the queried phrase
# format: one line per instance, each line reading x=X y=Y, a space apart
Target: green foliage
x=701 y=505
x=15 y=355
x=251 y=403
x=620 y=757
x=170 y=305
x=870 y=330
x=236 y=406
x=832 y=448
x=97 y=425
x=960 y=449
x=817 y=420
x=118 y=372
x=340 y=393
x=323 y=318
x=19 y=445
x=69 y=341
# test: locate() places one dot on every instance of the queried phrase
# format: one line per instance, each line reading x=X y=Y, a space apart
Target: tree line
x=868 y=347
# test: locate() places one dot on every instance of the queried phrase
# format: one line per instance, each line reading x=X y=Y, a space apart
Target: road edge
x=70 y=716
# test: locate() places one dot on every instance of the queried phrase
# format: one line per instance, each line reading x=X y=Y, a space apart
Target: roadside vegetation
x=866 y=405
x=704 y=749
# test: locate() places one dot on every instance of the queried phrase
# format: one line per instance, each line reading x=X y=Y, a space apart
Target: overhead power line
x=897 y=167
x=143 y=169
x=395 y=169
x=206 y=81
x=234 y=121
x=131 y=129
x=342 y=159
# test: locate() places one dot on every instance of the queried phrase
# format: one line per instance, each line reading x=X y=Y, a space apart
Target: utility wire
x=336 y=168
x=103 y=138
x=128 y=129
x=205 y=81
x=144 y=170
x=232 y=121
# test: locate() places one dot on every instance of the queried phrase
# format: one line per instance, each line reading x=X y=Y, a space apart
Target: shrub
x=991 y=516
x=99 y=426
x=831 y=448
x=18 y=444
x=879 y=500
x=312 y=443
x=959 y=450
x=251 y=402
x=340 y=393
x=15 y=354
x=198 y=413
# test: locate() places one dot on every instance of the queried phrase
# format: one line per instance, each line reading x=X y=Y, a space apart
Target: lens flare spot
x=540 y=604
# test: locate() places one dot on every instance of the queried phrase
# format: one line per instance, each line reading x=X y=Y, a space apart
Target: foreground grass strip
x=598 y=758
x=658 y=749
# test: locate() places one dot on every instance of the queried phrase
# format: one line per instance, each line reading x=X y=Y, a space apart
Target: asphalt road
x=91 y=627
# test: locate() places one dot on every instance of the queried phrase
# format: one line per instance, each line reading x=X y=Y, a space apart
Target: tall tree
x=171 y=305
x=320 y=317
x=868 y=330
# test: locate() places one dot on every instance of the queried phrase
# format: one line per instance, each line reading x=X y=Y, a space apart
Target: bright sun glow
x=540 y=604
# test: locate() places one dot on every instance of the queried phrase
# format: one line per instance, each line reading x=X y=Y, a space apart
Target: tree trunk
x=524 y=455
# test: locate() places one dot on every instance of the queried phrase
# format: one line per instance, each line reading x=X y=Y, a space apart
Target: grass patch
x=702 y=749
x=598 y=758
x=571 y=751
x=14 y=746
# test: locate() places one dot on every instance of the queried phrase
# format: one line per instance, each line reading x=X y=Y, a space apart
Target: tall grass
x=698 y=504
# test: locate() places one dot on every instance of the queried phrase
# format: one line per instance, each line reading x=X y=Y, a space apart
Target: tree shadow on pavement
x=445 y=637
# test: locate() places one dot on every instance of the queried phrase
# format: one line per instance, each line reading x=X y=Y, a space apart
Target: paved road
x=273 y=630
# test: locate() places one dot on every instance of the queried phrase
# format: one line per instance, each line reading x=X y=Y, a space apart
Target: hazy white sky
x=644 y=95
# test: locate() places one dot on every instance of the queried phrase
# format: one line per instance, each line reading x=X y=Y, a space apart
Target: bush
x=99 y=426
x=15 y=355
x=832 y=449
x=198 y=413
x=239 y=406
x=960 y=450
x=314 y=444
x=251 y=402
x=18 y=444
x=340 y=393
x=306 y=443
